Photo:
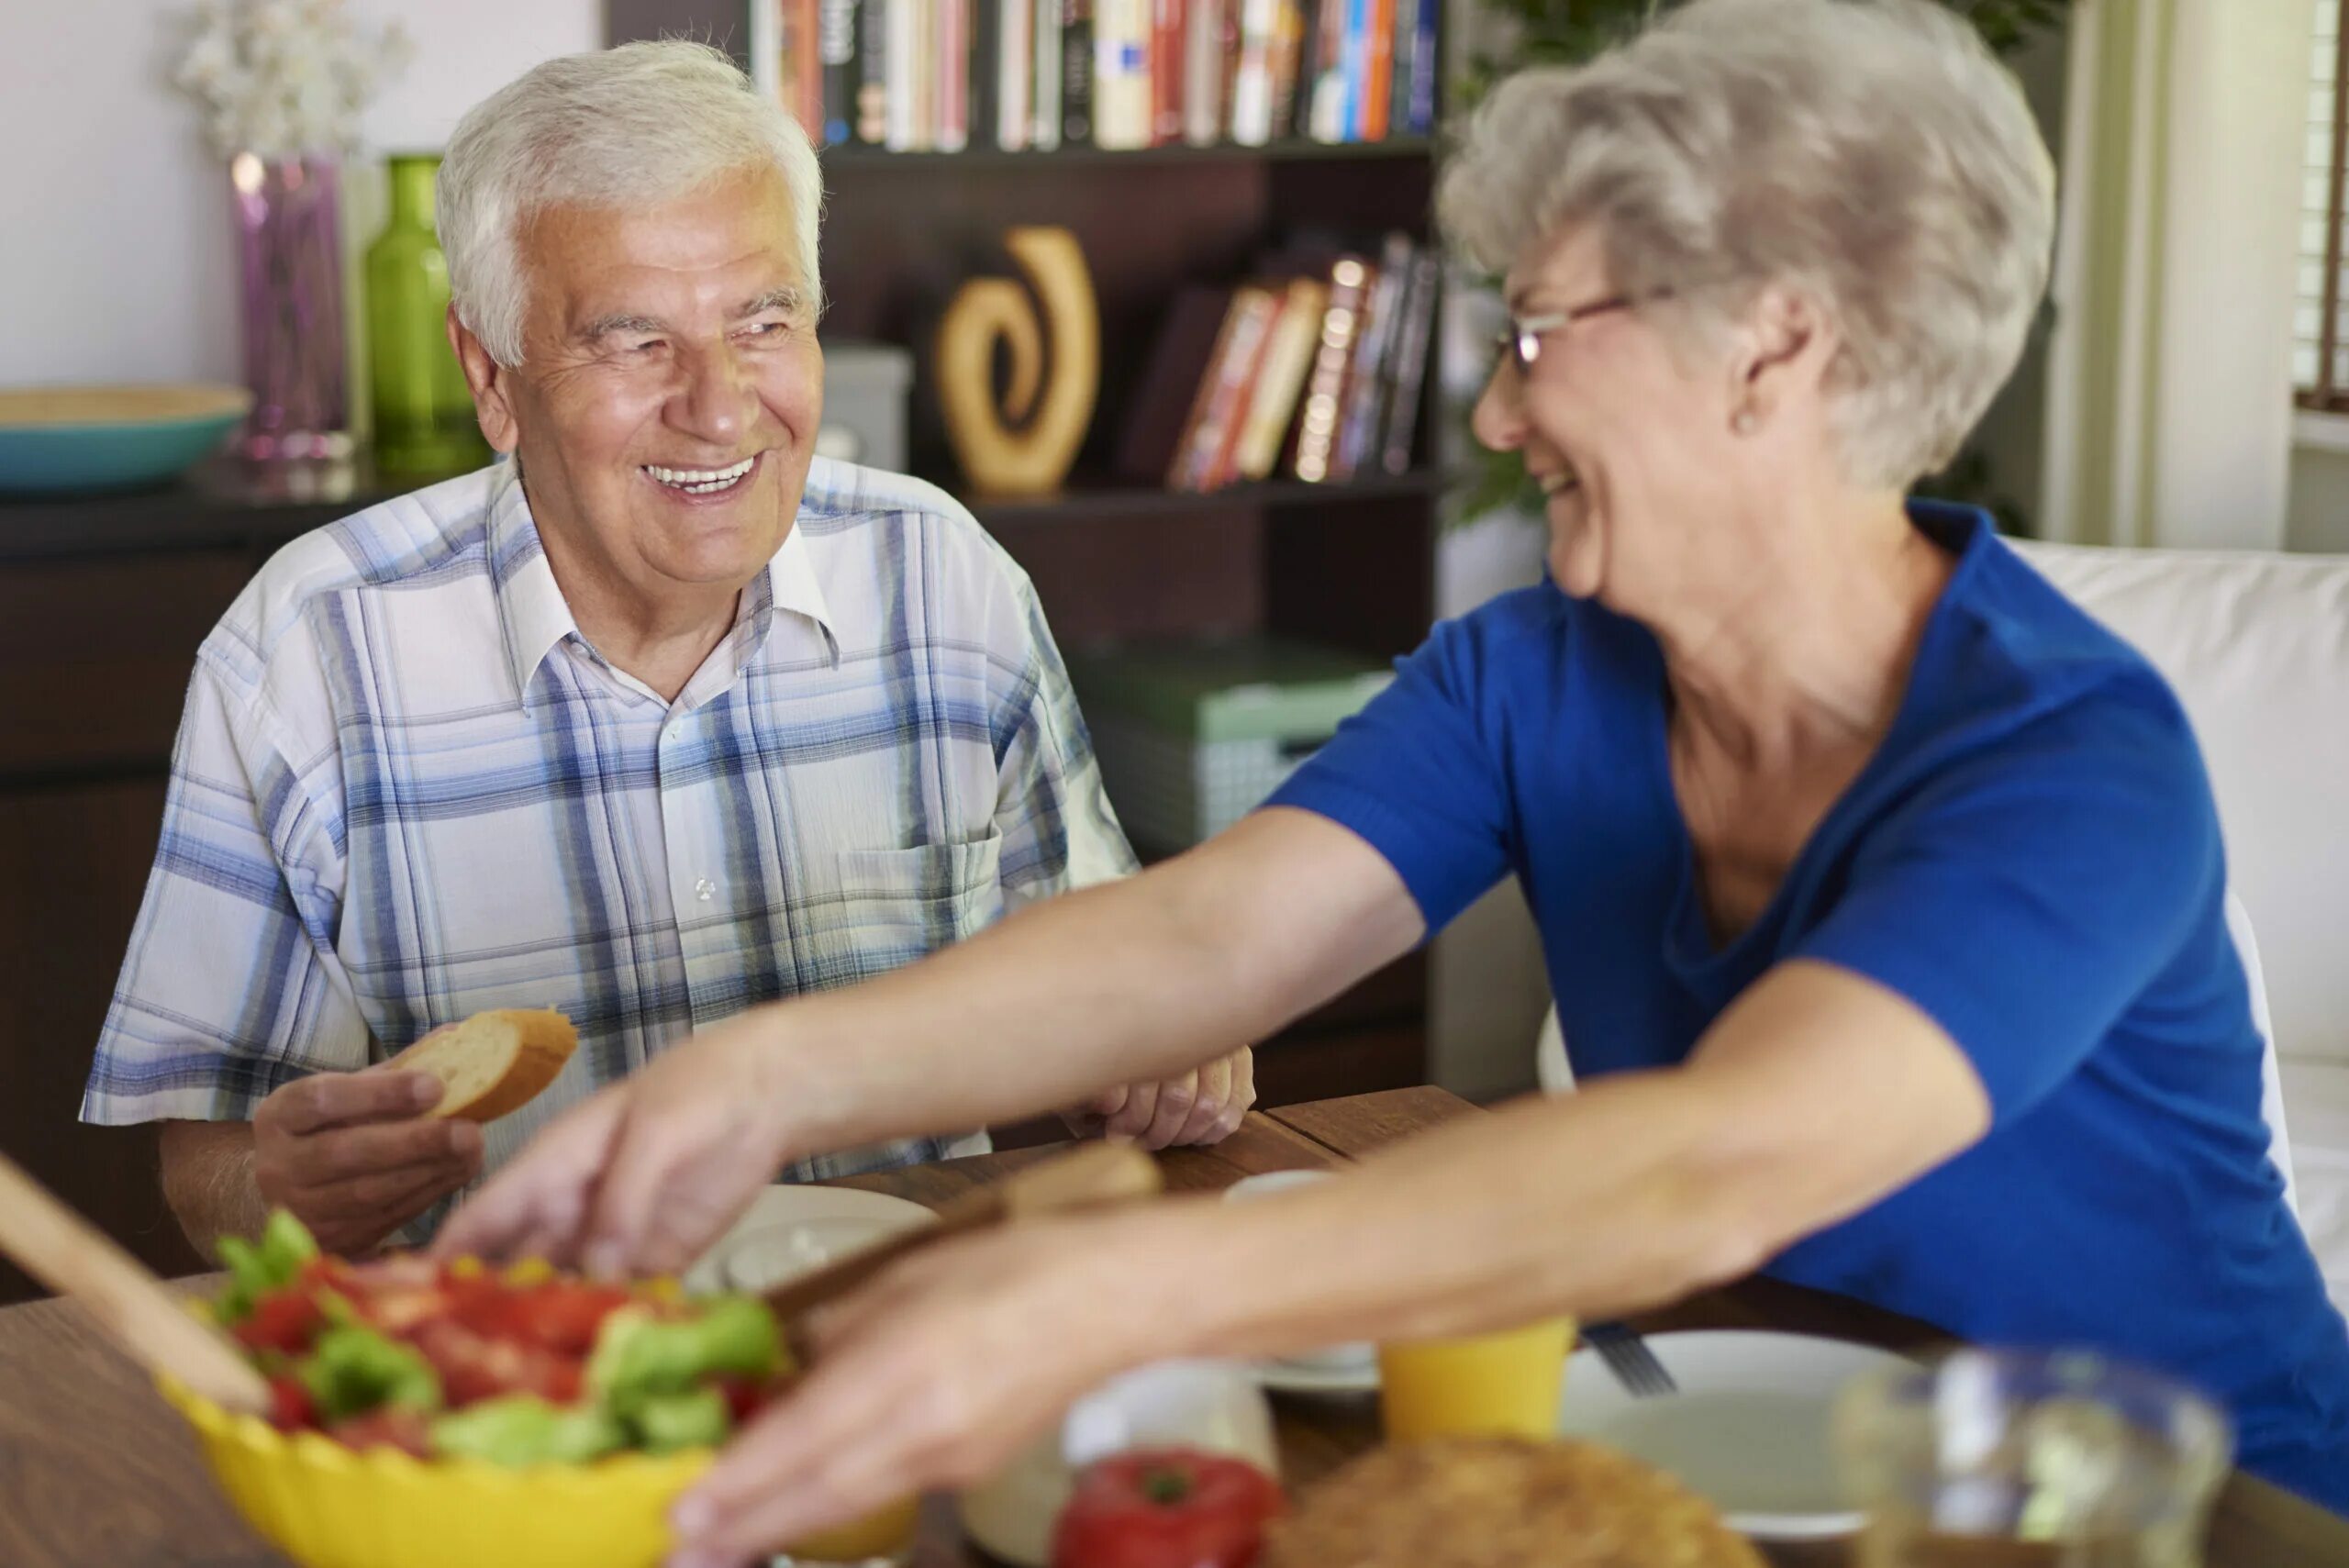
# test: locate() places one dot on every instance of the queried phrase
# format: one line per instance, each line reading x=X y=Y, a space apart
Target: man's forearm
x=1138 y=980
x=208 y=1179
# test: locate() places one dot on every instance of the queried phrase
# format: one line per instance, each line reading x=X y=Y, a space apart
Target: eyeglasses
x=1521 y=344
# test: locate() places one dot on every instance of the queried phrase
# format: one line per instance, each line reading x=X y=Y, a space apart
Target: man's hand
x=353 y=1156
x=1201 y=1107
x=646 y=1175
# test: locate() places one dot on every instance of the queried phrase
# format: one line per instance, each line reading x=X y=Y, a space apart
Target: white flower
x=281 y=78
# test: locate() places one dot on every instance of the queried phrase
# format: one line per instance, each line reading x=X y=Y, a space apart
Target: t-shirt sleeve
x=2025 y=899
x=1419 y=774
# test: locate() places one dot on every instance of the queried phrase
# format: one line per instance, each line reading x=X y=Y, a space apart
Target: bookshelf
x=1350 y=564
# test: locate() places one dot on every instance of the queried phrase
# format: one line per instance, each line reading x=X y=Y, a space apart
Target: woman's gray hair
x=640 y=124
x=1871 y=153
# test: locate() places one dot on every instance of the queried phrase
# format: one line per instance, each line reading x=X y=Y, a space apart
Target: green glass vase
x=424 y=413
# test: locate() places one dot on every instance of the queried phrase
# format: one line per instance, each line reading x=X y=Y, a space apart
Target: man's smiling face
x=671 y=386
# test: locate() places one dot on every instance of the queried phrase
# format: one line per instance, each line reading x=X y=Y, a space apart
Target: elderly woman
x=1881 y=889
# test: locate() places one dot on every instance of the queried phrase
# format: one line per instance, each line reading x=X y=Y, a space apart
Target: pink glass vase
x=289 y=264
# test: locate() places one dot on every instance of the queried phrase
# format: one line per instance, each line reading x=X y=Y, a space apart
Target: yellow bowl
x=326 y=1506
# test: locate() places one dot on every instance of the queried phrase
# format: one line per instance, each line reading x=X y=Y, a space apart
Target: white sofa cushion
x=2257 y=648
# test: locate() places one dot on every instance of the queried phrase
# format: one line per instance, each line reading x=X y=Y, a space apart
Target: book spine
x=1354 y=58
x=1317 y=426
x=1360 y=408
x=1167 y=37
x=872 y=71
x=1179 y=472
x=1225 y=466
x=1122 y=115
x=1378 y=71
x=1252 y=87
x=984 y=127
x=1411 y=365
x=1416 y=23
x=1235 y=366
x=766 y=52
x=926 y=38
x=838 y=42
x=1329 y=98
x=1044 y=126
x=1203 y=74
x=1077 y=73
x=1014 y=67
x=1228 y=71
x=952 y=80
x=1288 y=47
x=810 y=110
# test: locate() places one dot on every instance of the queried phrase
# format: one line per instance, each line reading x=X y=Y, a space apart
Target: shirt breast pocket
x=885 y=908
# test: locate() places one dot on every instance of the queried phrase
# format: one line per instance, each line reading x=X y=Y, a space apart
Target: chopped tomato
x=290 y=1406
x=565 y=1317
x=283 y=1320
x=474 y=1366
x=385 y=1427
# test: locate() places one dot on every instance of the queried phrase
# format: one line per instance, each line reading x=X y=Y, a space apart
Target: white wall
x=116 y=263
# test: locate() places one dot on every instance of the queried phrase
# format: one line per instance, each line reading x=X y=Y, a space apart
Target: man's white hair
x=1871 y=153
x=638 y=125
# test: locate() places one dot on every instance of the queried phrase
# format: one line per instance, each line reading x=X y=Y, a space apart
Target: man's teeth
x=1558 y=483
x=700 y=480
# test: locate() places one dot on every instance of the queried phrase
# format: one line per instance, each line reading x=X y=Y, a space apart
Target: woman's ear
x=1784 y=347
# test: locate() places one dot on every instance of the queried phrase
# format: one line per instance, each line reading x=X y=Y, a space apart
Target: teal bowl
x=65 y=440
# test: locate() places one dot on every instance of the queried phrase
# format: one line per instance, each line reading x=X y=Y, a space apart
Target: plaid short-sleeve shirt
x=407 y=789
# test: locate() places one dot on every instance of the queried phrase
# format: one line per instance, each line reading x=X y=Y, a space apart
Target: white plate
x=1748 y=1430
x=789 y=1228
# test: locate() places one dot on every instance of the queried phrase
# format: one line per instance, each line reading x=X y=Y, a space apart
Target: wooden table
x=97 y=1472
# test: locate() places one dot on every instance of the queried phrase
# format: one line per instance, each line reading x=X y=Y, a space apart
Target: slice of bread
x=493 y=1062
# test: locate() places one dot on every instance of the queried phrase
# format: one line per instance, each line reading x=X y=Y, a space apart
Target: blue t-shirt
x=2032 y=857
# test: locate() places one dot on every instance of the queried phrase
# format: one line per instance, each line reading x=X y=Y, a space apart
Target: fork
x=1627 y=1355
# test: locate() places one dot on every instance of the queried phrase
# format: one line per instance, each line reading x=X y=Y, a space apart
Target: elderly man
x=661 y=719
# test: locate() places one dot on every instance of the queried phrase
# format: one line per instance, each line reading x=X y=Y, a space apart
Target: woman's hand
x=649 y=1173
x=935 y=1375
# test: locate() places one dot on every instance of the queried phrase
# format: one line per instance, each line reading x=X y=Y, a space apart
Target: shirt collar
x=534 y=618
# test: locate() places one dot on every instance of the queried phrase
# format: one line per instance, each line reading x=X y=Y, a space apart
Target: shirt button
x=705 y=890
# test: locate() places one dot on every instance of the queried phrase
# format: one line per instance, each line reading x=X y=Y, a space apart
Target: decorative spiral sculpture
x=1026 y=446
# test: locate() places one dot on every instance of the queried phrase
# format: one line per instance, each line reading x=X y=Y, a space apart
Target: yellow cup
x=1505 y=1384
x=886 y=1535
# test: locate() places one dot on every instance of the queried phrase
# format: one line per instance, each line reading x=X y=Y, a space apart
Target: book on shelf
x=1077 y=73
x=944 y=75
x=952 y=80
x=1045 y=78
x=1212 y=438
x=1325 y=386
x=1124 y=118
x=1315 y=363
x=1280 y=379
x=1359 y=405
x=1412 y=344
x=1203 y=106
x=836 y=45
x=1169 y=38
x=873 y=72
